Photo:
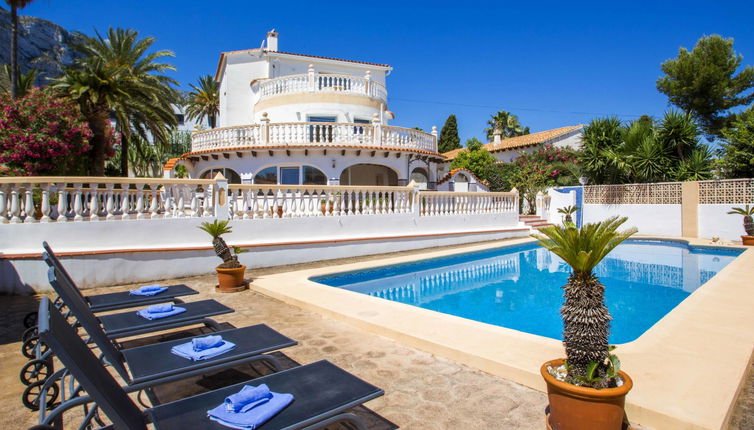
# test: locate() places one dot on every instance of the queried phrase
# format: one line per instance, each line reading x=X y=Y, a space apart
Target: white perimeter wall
x=714 y=221
x=269 y=241
x=559 y=200
x=662 y=220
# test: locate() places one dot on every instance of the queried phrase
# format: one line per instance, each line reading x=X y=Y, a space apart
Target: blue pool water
x=519 y=287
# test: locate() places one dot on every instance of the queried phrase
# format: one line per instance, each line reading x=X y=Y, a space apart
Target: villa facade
x=293 y=119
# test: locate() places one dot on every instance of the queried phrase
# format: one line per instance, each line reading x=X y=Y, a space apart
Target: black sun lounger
x=323 y=392
x=121 y=300
x=128 y=323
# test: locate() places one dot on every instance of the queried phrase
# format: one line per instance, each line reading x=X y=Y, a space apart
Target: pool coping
x=696 y=354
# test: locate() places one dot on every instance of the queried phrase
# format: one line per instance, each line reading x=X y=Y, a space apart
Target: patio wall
x=155 y=236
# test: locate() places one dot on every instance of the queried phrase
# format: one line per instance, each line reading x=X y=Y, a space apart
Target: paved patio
x=422 y=391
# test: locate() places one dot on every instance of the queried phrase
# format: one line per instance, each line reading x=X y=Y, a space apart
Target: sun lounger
x=323 y=392
x=120 y=300
x=129 y=323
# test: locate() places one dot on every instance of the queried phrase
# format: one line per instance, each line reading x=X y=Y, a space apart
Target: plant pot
x=747 y=240
x=231 y=280
x=583 y=408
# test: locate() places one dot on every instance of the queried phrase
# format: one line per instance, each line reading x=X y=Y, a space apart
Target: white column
x=3 y=206
x=220 y=197
x=62 y=202
x=45 y=206
x=312 y=78
x=15 y=205
x=78 y=206
x=265 y=132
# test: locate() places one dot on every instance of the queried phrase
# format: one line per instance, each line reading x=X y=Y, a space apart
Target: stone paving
x=422 y=391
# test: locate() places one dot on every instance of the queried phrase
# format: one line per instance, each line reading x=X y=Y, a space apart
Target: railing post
x=367 y=83
x=376 y=130
x=312 y=78
x=434 y=133
x=265 y=129
x=15 y=205
x=515 y=201
x=3 y=206
x=220 y=198
x=540 y=202
x=416 y=197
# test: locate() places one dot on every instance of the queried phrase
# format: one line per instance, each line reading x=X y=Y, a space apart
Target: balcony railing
x=313 y=133
x=324 y=83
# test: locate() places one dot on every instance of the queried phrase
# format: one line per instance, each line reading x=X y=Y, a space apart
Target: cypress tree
x=448 y=139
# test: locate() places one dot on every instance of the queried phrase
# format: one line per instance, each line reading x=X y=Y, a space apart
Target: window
x=320 y=132
x=230 y=175
x=313 y=176
x=179 y=117
x=322 y=119
x=289 y=175
x=267 y=176
x=419 y=176
x=359 y=129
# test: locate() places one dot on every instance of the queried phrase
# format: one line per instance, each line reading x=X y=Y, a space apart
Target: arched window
x=230 y=175
x=291 y=175
x=419 y=176
x=267 y=176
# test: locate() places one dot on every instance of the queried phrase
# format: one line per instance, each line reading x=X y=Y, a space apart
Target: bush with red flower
x=42 y=134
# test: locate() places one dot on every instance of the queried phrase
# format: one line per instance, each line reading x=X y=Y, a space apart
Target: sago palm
x=747 y=212
x=586 y=319
x=204 y=101
x=568 y=211
x=216 y=229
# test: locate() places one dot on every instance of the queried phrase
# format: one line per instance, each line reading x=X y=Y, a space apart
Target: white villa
x=299 y=119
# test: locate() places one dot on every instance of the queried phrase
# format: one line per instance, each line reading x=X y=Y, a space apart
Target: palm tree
x=117 y=76
x=507 y=123
x=14 y=68
x=586 y=319
x=204 y=100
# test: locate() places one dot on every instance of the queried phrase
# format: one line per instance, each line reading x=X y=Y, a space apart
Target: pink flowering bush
x=42 y=134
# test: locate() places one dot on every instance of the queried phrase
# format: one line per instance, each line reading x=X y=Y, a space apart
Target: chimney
x=497 y=135
x=272 y=40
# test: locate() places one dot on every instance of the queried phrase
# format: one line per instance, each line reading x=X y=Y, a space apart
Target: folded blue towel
x=206 y=342
x=186 y=350
x=251 y=418
x=154 y=315
x=248 y=398
x=163 y=307
x=148 y=290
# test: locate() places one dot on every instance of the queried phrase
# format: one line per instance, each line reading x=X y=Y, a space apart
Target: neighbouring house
x=507 y=150
x=288 y=118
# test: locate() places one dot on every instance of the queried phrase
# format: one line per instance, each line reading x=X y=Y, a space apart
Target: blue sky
x=553 y=65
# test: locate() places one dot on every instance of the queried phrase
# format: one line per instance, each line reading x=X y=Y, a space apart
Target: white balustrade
x=61 y=199
x=457 y=203
x=312 y=82
x=315 y=134
x=298 y=201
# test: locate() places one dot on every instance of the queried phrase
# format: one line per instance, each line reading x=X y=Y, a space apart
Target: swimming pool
x=519 y=287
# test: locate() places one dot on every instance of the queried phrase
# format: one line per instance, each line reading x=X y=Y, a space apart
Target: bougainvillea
x=42 y=134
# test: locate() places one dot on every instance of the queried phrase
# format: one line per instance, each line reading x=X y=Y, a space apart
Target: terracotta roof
x=309 y=146
x=224 y=54
x=539 y=138
x=452 y=173
x=171 y=163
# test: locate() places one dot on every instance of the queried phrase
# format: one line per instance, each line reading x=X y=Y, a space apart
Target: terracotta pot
x=747 y=240
x=582 y=408
x=230 y=280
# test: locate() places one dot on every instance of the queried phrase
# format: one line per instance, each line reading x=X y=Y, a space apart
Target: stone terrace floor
x=422 y=391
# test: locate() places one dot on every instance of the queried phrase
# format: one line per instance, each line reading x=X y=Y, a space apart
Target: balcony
x=315 y=134
x=322 y=83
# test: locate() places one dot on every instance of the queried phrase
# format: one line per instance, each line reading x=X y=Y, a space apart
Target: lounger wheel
x=32 y=393
x=29 y=332
x=29 y=347
x=30 y=320
x=35 y=371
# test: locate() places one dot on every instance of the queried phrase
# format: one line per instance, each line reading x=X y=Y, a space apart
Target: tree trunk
x=586 y=323
x=124 y=155
x=13 y=50
x=99 y=121
x=212 y=121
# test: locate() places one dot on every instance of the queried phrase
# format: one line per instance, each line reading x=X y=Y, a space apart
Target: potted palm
x=230 y=273
x=747 y=213
x=587 y=389
x=568 y=211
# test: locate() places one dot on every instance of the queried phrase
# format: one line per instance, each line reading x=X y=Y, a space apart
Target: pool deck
x=688 y=368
